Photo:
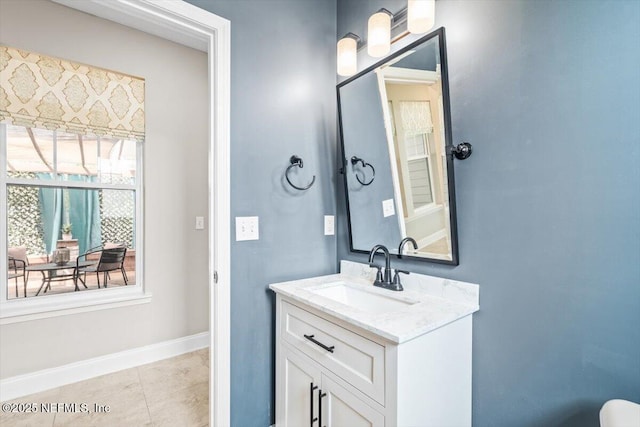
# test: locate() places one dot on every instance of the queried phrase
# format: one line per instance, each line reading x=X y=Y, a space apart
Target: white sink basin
x=362 y=299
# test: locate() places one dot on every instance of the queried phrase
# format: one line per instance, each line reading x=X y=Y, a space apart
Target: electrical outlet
x=199 y=223
x=329 y=225
x=388 y=209
x=247 y=228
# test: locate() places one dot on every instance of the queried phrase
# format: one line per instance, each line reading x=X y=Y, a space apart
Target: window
x=418 y=143
x=68 y=192
x=418 y=161
x=71 y=140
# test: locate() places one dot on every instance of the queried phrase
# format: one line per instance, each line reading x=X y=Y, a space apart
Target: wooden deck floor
x=61 y=287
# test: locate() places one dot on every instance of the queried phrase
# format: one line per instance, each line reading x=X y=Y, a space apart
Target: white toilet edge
x=620 y=413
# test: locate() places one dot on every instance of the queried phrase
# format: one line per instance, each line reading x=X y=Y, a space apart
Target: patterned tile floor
x=172 y=392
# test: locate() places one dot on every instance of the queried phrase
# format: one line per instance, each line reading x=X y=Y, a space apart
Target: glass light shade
x=379 y=34
x=347 y=56
x=421 y=15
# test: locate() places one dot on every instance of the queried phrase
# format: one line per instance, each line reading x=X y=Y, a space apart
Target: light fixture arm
x=399 y=18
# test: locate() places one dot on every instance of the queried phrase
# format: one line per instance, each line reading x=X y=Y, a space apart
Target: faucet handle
x=396 y=278
x=379 y=272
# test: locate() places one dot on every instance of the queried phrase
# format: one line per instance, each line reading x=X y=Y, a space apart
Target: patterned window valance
x=416 y=117
x=44 y=92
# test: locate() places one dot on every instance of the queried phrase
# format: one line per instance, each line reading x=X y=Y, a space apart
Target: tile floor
x=439 y=247
x=172 y=392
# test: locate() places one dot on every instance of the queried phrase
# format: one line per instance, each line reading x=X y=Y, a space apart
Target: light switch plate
x=247 y=228
x=329 y=225
x=388 y=209
x=199 y=223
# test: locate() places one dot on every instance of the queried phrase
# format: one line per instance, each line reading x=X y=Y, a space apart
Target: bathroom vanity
x=349 y=354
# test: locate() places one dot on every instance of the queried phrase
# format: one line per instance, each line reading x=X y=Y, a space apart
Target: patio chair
x=111 y=259
x=17 y=266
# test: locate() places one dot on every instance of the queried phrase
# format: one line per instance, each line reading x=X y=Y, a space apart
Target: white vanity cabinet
x=331 y=373
x=308 y=397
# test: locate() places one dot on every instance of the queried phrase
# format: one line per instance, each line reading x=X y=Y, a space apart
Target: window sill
x=26 y=309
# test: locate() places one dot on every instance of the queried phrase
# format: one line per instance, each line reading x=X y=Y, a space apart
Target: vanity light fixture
x=348 y=55
x=421 y=15
x=379 y=33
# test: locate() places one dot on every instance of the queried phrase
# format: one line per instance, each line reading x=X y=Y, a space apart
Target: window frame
x=23 y=309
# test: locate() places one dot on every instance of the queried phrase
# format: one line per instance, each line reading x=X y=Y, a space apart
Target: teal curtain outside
x=84 y=214
x=51 y=212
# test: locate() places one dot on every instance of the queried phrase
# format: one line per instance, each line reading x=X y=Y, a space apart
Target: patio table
x=50 y=273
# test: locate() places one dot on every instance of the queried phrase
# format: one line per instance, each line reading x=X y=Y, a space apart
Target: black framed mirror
x=395 y=131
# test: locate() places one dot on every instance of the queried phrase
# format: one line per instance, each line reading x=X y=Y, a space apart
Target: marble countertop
x=435 y=301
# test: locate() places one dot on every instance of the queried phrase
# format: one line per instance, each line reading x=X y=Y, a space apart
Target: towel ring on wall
x=297 y=161
x=354 y=161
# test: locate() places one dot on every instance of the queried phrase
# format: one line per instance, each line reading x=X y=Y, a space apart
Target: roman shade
x=39 y=91
x=416 y=117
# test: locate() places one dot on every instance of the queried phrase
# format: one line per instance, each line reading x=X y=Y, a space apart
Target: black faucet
x=404 y=242
x=385 y=282
x=387 y=266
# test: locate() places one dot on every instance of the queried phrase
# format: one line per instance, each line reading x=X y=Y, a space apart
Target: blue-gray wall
x=282 y=103
x=548 y=93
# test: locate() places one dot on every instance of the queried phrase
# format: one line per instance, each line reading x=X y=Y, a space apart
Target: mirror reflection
x=395 y=131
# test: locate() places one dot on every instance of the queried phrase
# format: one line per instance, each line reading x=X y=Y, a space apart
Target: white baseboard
x=46 y=379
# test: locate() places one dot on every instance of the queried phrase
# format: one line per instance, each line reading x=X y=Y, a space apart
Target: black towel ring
x=354 y=161
x=297 y=161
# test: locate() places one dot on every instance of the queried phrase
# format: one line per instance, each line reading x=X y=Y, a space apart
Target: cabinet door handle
x=320 y=396
x=311 y=418
x=316 y=342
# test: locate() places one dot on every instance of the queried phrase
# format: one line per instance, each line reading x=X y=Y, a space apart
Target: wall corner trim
x=46 y=379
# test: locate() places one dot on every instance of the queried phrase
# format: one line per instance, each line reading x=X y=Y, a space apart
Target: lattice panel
x=117 y=209
x=24 y=221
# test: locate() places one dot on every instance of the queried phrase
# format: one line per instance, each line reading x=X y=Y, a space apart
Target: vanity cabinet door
x=341 y=408
x=297 y=388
